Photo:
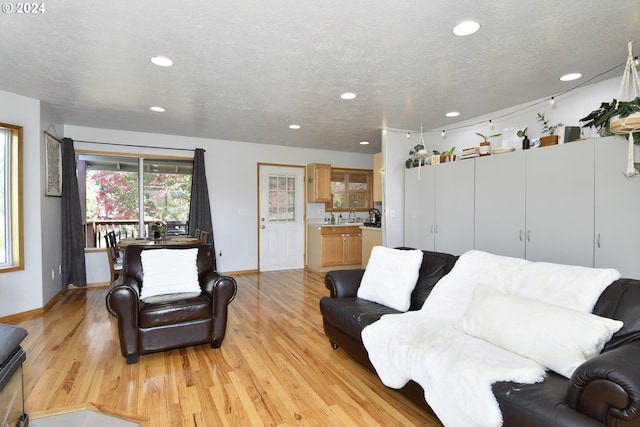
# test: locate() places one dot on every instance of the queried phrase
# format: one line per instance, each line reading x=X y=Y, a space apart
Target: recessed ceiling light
x=452 y=114
x=348 y=95
x=570 y=76
x=294 y=126
x=157 y=109
x=161 y=61
x=466 y=28
x=364 y=142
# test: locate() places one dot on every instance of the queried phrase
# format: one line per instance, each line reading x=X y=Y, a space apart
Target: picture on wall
x=53 y=166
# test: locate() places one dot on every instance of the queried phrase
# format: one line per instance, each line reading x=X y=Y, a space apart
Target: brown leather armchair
x=169 y=321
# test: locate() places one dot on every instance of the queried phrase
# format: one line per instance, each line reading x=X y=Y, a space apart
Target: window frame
x=15 y=240
x=142 y=222
x=347 y=171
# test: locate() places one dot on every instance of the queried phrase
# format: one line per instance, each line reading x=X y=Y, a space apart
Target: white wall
x=22 y=291
x=51 y=218
x=231 y=177
x=568 y=109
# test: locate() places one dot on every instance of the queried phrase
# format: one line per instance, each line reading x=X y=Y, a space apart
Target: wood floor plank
x=275 y=367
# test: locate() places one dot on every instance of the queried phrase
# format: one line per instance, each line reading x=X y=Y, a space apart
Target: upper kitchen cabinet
x=318 y=182
x=377 y=177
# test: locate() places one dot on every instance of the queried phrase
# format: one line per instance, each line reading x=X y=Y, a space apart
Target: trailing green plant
x=600 y=118
x=486 y=137
x=522 y=133
x=547 y=127
x=413 y=156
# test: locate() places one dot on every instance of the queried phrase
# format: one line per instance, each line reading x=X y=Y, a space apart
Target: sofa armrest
x=222 y=290
x=608 y=385
x=123 y=299
x=343 y=283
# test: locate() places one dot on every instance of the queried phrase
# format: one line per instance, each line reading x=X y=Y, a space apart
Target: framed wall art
x=53 y=166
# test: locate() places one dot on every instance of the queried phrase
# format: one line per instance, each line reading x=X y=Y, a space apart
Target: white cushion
x=391 y=276
x=556 y=337
x=169 y=271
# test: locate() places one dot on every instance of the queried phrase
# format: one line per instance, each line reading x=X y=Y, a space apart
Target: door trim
x=304 y=212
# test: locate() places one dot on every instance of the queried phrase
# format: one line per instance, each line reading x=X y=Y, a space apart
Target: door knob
x=262 y=227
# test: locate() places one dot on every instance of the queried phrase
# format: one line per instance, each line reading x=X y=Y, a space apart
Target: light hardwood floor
x=275 y=367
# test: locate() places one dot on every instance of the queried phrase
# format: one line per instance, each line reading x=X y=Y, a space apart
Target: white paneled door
x=281 y=220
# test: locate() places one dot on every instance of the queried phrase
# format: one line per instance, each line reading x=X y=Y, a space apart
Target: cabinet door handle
x=436 y=228
x=431 y=228
x=521 y=234
x=528 y=235
x=598 y=240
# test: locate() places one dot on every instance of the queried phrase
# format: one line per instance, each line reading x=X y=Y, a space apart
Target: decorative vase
x=156 y=234
x=526 y=144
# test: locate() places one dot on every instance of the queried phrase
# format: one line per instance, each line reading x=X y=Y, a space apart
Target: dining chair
x=115 y=265
x=204 y=236
x=197 y=233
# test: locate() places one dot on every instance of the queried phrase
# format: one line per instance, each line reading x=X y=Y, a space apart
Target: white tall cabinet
x=568 y=204
x=617 y=210
x=559 y=199
x=439 y=207
x=500 y=186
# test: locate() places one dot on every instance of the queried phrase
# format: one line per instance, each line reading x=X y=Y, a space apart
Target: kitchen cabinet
x=334 y=247
x=439 y=207
x=377 y=177
x=318 y=182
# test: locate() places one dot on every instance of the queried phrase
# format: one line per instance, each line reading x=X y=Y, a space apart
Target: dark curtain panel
x=73 y=266
x=200 y=213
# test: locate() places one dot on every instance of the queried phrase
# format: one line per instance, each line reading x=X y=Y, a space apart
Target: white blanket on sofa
x=457 y=370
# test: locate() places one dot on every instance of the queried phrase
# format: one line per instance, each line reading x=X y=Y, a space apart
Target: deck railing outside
x=94 y=231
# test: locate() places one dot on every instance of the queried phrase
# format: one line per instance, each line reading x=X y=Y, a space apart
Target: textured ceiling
x=244 y=70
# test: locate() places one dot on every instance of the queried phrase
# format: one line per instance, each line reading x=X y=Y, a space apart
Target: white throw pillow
x=169 y=271
x=390 y=277
x=558 y=338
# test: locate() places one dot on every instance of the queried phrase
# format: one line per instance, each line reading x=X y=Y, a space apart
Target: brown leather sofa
x=604 y=391
x=170 y=321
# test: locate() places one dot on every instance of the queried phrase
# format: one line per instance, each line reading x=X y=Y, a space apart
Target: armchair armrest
x=608 y=385
x=222 y=290
x=123 y=303
x=343 y=283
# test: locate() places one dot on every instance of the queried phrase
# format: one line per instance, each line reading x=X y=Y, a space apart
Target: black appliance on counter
x=374 y=219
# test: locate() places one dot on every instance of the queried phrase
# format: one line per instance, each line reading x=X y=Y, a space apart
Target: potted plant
x=549 y=129
x=448 y=155
x=158 y=229
x=522 y=133
x=417 y=157
x=614 y=117
x=485 y=145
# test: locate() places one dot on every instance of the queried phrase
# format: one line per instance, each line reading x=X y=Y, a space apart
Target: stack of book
x=468 y=153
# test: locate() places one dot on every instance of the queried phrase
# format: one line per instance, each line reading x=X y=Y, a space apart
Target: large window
x=111 y=186
x=11 y=245
x=351 y=189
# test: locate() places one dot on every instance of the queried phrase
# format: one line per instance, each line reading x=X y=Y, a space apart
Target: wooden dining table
x=176 y=240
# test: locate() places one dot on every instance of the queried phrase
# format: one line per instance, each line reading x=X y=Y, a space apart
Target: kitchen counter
x=365 y=227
